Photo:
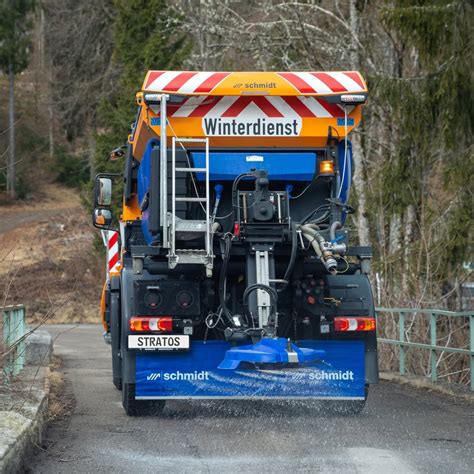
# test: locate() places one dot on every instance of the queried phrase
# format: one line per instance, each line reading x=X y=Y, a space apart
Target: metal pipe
x=163 y=172
x=173 y=198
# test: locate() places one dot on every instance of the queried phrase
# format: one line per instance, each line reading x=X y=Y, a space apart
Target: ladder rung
x=191 y=251
x=191 y=140
x=190 y=199
x=191 y=170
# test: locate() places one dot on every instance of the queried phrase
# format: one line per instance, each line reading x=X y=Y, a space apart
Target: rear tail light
x=149 y=324
x=350 y=324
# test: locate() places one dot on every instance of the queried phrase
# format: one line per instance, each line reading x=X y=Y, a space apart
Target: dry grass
x=48 y=196
x=48 y=261
x=60 y=403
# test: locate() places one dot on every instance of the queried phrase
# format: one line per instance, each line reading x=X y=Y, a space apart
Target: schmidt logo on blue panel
x=178 y=375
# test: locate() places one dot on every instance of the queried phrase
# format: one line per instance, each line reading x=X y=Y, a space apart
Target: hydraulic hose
x=320 y=247
x=222 y=278
x=259 y=286
x=311 y=235
x=291 y=263
x=332 y=231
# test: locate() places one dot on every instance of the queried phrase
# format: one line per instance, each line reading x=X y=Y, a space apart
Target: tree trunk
x=395 y=234
x=92 y=151
x=11 y=124
x=358 y=181
x=409 y=228
x=51 y=111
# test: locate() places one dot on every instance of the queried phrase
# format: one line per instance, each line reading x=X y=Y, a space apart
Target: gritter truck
x=231 y=274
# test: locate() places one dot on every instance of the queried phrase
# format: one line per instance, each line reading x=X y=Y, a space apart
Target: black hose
x=260 y=286
x=291 y=263
x=235 y=203
x=323 y=207
x=222 y=277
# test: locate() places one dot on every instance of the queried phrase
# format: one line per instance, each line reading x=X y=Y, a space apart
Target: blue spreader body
x=339 y=374
x=288 y=166
x=268 y=351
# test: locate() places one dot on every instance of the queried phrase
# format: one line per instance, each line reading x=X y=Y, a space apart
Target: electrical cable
x=345 y=154
x=223 y=276
x=315 y=177
x=324 y=207
x=260 y=286
x=235 y=184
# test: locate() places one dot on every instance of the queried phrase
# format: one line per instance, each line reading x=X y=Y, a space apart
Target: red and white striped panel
x=193 y=82
x=112 y=251
x=256 y=106
x=325 y=82
x=184 y=82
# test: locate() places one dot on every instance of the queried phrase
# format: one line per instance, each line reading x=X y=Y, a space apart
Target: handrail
x=432 y=347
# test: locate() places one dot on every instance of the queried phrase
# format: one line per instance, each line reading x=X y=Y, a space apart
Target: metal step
x=191 y=170
x=190 y=199
x=190 y=256
x=183 y=225
x=191 y=252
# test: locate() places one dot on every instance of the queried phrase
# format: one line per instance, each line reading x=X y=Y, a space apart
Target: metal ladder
x=204 y=256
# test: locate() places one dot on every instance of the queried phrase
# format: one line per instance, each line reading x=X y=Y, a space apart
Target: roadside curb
x=23 y=424
x=422 y=383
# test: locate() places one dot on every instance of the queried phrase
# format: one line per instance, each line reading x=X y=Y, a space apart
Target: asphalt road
x=402 y=430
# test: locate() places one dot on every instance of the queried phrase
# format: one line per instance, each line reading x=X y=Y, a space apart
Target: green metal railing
x=434 y=349
x=13 y=347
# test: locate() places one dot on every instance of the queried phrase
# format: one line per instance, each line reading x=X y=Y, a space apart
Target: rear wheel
x=115 y=339
x=135 y=407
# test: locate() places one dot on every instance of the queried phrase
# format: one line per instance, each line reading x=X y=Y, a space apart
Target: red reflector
x=149 y=323
x=345 y=324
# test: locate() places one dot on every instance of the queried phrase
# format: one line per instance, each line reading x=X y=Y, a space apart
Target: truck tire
x=115 y=339
x=134 y=407
x=117 y=381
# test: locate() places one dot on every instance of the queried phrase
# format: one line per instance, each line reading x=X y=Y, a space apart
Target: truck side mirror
x=103 y=191
x=102 y=215
x=102 y=218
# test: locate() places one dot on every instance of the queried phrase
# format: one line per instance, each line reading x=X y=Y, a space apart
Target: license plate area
x=171 y=342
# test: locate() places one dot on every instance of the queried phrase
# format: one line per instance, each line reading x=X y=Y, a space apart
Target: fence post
x=471 y=330
x=14 y=329
x=20 y=326
x=433 y=355
x=401 y=338
x=5 y=346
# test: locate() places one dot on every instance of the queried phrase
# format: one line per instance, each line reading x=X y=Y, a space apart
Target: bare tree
x=79 y=47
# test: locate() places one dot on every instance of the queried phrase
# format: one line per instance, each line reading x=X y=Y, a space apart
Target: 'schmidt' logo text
x=178 y=375
x=332 y=375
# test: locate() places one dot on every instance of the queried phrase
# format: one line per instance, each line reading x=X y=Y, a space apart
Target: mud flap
x=195 y=374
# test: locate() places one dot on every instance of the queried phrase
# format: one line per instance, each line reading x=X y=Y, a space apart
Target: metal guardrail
x=13 y=341
x=433 y=347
